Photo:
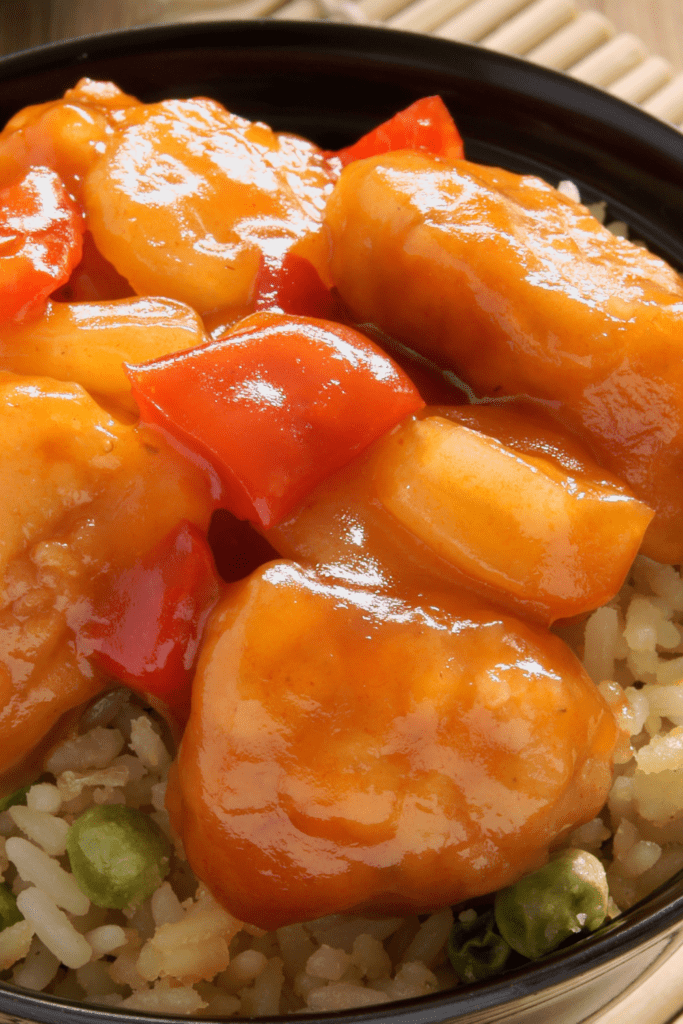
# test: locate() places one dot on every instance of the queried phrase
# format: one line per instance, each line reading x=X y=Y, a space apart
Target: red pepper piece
x=41 y=235
x=149 y=619
x=293 y=285
x=425 y=125
x=275 y=406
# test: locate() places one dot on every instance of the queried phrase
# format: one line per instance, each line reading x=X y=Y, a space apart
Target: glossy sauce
x=529 y=521
x=352 y=750
x=67 y=134
x=83 y=495
x=88 y=342
x=367 y=732
x=521 y=291
x=188 y=200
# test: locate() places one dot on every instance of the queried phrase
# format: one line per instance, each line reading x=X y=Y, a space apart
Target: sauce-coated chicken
x=529 y=521
x=521 y=291
x=189 y=200
x=67 y=134
x=381 y=724
x=348 y=749
x=183 y=198
x=88 y=342
x=82 y=495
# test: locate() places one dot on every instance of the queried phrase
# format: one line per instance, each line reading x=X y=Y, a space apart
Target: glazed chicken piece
x=184 y=199
x=189 y=201
x=67 y=134
x=488 y=497
x=83 y=495
x=522 y=292
x=353 y=750
x=88 y=342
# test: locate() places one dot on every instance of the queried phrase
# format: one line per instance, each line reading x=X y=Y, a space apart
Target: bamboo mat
x=570 y=36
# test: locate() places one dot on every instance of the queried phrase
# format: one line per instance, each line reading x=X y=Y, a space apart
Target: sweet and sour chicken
x=523 y=292
x=376 y=716
x=84 y=496
x=375 y=752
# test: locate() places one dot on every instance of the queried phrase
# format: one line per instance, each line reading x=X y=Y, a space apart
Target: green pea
x=9 y=911
x=475 y=949
x=566 y=896
x=17 y=797
x=118 y=855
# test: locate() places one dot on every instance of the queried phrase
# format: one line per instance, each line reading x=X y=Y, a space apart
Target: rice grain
x=48 y=831
x=640 y=858
x=105 y=939
x=38 y=969
x=15 y=942
x=343 y=996
x=53 y=927
x=263 y=999
x=371 y=958
x=37 y=867
x=43 y=796
x=243 y=969
x=327 y=963
x=182 y=1001
x=146 y=743
x=430 y=938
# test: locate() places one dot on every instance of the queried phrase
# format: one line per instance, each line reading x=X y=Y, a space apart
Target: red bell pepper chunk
x=41 y=236
x=275 y=406
x=293 y=285
x=148 y=619
x=425 y=125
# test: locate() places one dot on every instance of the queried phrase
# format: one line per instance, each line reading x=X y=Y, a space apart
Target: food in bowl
x=318 y=795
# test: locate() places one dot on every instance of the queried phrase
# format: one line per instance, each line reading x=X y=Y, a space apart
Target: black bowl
x=332 y=83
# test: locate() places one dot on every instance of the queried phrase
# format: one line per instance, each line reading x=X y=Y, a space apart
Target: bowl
x=331 y=83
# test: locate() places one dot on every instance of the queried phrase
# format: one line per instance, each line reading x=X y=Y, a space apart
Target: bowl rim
x=661 y=912
x=420 y=50
x=616 y=940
